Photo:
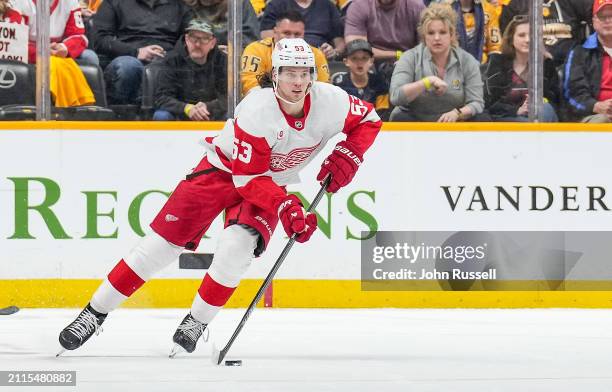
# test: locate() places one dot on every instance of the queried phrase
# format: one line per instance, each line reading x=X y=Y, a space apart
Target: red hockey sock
x=214 y=293
x=124 y=279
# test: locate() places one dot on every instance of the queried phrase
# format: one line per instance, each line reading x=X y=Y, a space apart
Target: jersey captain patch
x=280 y=162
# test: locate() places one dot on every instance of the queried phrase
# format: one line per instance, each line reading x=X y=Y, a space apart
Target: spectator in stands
x=565 y=23
x=132 y=33
x=192 y=83
x=588 y=71
x=437 y=80
x=390 y=26
x=257 y=57
x=67 y=31
x=477 y=27
x=359 y=81
x=507 y=73
x=215 y=13
x=324 y=28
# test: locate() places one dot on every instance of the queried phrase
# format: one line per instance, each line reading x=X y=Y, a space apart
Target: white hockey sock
x=151 y=255
x=232 y=259
x=106 y=298
x=202 y=311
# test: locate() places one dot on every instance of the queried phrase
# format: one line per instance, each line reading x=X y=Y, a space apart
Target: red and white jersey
x=12 y=16
x=66 y=25
x=265 y=149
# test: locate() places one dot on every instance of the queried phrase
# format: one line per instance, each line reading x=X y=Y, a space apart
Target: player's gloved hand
x=296 y=220
x=342 y=164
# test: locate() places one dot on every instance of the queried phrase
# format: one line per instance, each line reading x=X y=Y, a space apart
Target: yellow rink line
x=178 y=293
x=217 y=125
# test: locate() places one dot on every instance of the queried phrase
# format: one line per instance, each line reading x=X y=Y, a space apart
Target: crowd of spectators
x=416 y=60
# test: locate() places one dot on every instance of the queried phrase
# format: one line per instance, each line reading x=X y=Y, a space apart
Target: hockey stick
x=8 y=310
x=218 y=356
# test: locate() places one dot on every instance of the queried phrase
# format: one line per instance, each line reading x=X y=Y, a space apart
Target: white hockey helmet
x=293 y=52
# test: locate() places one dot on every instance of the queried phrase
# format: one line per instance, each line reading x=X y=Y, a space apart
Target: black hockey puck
x=237 y=362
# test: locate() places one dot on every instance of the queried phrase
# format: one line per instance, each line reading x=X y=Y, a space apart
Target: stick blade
x=216 y=355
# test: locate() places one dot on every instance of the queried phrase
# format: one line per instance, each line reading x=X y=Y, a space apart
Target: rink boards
x=75 y=197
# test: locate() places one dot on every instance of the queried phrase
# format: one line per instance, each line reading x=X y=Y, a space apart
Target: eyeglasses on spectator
x=199 y=40
x=604 y=18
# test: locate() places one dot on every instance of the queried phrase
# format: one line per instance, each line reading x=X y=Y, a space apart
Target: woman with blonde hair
x=507 y=74
x=437 y=80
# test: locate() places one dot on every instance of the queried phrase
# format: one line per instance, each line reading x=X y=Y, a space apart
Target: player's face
x=288 y=29
x=293 y=82
x=521 y=38
x=359 y=62
x=438 y=37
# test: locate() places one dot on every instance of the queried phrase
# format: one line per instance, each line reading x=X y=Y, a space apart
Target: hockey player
x=276 y=132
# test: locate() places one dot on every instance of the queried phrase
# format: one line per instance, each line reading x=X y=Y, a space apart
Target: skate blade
x=176 y=350
x=60 y=352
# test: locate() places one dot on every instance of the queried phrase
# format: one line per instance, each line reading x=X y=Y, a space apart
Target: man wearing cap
x=359 y=81
x=257 y=56
x=588 y=70
x=192 y=82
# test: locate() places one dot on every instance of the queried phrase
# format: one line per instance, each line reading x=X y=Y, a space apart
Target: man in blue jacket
x=588 y=70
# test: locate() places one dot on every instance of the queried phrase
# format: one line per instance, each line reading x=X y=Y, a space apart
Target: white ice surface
x=327 y=350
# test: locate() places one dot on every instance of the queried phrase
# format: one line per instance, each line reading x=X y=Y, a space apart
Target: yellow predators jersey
x=492 y=41
x=257 y=60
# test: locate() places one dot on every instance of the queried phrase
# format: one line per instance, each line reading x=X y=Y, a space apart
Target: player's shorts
x=199 y=199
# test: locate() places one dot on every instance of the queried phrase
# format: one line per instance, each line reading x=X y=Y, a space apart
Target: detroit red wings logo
x=280 y=162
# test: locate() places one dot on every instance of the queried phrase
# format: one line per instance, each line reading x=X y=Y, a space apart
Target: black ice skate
x=187 y=334
x=81 y=329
